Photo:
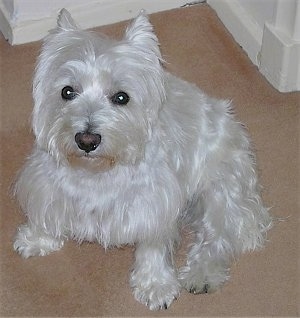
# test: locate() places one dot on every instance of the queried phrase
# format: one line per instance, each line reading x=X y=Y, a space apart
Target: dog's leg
x=208 y=260
x=153 y=279
x=29 y=242
x=207 y=267
x=231 y=220
x=45 y=208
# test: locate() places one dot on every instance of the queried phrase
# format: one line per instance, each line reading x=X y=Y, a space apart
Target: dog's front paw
x=156 y=295
x=197 y=280
x=28 y=243
x=157 y=290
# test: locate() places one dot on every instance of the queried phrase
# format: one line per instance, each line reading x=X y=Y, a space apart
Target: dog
x=126 y=153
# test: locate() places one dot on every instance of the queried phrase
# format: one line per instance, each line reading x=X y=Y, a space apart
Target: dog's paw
x=195 y=281
x=157 y=295
x=29 y=244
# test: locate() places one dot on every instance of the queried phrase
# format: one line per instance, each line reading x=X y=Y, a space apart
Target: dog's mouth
x=92 y=163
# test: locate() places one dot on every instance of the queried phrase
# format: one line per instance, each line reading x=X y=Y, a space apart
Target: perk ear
x=65 y=21
x=140 y=34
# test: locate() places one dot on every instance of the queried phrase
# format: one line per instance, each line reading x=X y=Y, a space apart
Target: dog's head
x=95 y=97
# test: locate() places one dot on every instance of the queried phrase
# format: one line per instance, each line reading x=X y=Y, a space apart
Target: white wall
x=269 y=32
x=29 y=20
x=260 y=10
x=20 y=11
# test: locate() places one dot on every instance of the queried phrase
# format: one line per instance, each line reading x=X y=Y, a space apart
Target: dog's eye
x=120 y=98
x=68 y=93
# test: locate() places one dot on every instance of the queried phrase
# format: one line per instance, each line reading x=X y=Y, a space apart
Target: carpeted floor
x=84 y=280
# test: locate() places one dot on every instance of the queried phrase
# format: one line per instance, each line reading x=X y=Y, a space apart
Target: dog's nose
x=87 y=141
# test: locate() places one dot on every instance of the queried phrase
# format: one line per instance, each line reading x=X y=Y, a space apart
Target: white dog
x=126 y=153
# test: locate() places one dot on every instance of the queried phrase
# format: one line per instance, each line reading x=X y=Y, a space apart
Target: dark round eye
x=120 y=98
x=68 y=93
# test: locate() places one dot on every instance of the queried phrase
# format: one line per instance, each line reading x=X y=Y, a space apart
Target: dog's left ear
x=65 y=21
x=140 y=33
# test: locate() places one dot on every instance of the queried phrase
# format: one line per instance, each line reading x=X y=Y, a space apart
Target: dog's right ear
x=65 y=21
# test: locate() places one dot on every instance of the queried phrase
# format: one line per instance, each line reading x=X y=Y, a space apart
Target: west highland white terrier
x=127 y=153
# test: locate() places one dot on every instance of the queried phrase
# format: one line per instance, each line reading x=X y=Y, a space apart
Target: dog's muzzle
x=87 y=141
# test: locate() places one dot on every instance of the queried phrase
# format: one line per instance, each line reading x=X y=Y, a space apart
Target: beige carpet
x=84 y=280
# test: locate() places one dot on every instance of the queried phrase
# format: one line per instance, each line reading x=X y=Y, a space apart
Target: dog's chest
x=107 y=209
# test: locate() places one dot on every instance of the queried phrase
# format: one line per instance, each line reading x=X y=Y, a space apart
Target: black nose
x=87 y=141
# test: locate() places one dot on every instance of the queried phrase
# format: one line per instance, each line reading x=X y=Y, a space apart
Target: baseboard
x=241 y=25
x=87 y=15
x=5 y=26
x=276 y=55
x=280 y=59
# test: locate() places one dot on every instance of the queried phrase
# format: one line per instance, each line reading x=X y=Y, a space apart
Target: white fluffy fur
x=171 y=157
